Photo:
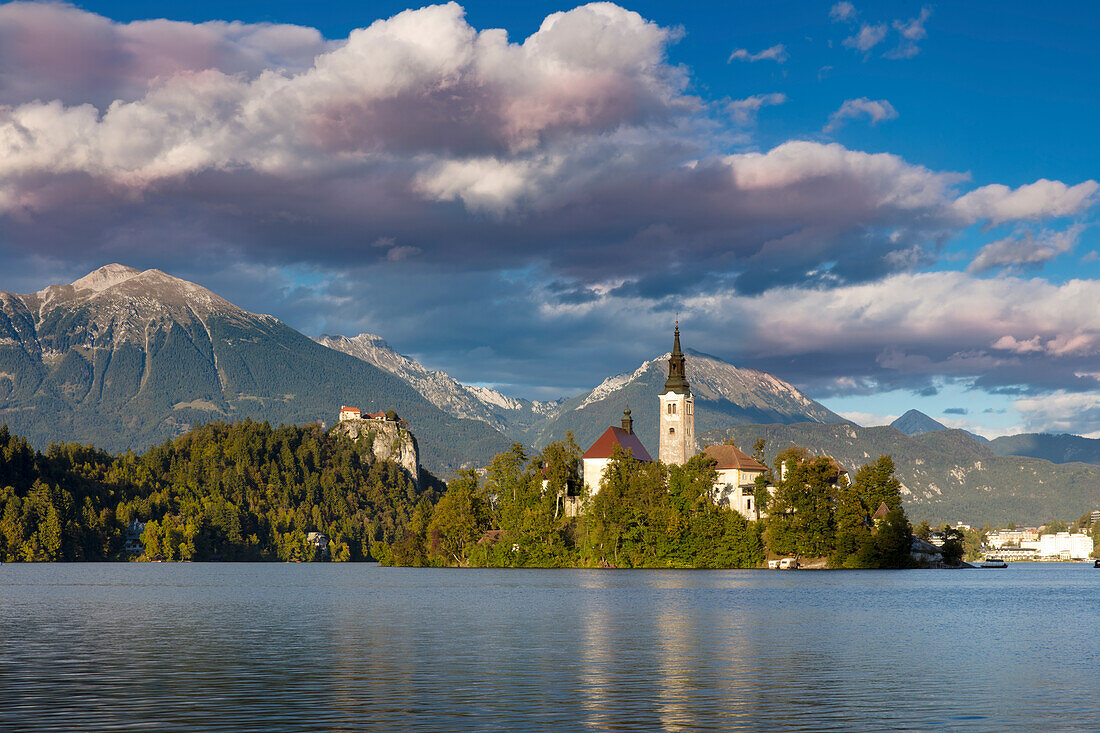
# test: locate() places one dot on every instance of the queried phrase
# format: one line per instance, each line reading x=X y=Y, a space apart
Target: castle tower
x=677 y=439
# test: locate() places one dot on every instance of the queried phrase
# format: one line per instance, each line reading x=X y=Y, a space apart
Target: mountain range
x=123 y=358
x=947 y=475
x=724 y=395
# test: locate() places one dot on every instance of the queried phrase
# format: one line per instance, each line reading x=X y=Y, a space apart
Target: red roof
x=612 y=437
x=350 y=409
x=730 y=456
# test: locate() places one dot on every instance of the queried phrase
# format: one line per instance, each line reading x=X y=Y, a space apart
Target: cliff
x=388 y=442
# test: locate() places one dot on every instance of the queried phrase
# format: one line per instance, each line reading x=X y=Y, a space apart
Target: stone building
x=596 y=458
x=677 y=429
x=737 y=474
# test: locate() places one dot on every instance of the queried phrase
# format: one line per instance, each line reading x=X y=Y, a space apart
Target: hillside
x=125 y=359
x=947 y=475
x=1054 y=448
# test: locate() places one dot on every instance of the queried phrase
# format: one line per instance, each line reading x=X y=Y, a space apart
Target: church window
x=672 y=431
x=748 y=504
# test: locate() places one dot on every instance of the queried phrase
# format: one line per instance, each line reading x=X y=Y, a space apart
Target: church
x=737 y=471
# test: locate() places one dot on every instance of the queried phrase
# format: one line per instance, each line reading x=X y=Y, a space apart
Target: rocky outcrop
x=388 y=441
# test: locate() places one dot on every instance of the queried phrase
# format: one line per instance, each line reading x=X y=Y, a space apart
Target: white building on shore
x=1065 y=546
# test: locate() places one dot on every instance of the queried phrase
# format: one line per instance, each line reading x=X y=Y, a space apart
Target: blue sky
x=891 y=205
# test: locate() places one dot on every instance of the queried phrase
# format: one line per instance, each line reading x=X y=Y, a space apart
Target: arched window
x=672 y=431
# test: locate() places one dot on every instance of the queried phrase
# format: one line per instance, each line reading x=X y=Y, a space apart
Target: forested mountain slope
x=946 y=475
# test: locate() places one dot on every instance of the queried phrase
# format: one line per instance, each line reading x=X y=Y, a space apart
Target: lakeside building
x=1014 y=537
x=1065 y=546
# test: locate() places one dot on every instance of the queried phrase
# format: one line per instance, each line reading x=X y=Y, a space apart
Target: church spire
x=628 y=421
x=677 y=377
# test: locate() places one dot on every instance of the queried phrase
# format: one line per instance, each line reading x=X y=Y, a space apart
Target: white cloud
x=867 y=37
x=483 y=184
x=842 y=12
x=1019 y=346
x=777 y=53
x=744 y=111
x=402 y=252
x=948 y=311
x=56 y=51
x=579 y=141
x=868 y=419
x=910 y=33
x=1026 y=250
x=392 y=86
x=876 y=110
x=1061 y=412
x=1040 y=200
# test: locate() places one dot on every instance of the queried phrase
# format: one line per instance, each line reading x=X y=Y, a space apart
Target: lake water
x=330 y=647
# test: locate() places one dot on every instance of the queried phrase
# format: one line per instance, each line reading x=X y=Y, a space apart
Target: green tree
x=953 y=546
x=458 y=520
x=877 y=484
x=800 y=514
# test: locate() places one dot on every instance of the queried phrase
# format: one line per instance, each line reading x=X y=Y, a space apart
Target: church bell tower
x=677 y=439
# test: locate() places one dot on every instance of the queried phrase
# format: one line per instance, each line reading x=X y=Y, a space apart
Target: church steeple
x=677 y=378
x=628 y=421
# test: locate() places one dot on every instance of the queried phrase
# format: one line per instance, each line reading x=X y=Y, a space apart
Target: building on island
x=737 y=474
x=596 y=458
x=676 y=438
x=350 y=413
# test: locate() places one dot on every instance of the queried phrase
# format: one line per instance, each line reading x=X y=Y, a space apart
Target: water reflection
x=361 y=648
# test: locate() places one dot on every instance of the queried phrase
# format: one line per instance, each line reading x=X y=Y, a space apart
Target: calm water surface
x=225 y=647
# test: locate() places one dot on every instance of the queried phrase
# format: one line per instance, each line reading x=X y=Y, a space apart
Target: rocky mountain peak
x=117 y=291
x=915 y=422
x=105 y=277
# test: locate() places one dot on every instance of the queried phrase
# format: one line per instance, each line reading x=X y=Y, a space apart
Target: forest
x=243 y=491
x=649 y=515
x=251 y=492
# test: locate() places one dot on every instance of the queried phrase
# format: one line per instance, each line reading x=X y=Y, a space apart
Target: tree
x=458 y=520
x=953 y=545
x=889 y=547
x=877 y=484
x=853 y=528
x=800 y=514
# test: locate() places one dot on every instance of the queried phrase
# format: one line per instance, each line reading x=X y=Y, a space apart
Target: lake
x=335 y=647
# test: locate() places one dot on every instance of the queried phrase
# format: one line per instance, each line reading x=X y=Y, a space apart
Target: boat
x=993 y=562
x=786 y=563
x=1096 y=564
